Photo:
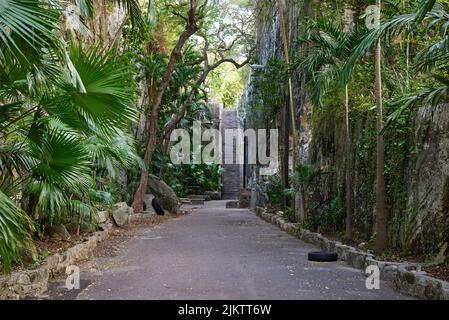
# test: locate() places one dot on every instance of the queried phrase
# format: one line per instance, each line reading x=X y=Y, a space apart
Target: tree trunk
x=304 y=204
x=285 y=42
x=191 y=28
x=348 y=180
x=380 y=242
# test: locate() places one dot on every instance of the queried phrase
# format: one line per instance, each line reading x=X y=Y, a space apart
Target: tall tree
x=331 y=46
x=218 y=49
x=380 y=242
x=192 y=25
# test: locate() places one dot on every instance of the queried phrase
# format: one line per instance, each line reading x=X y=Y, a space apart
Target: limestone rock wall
x=419 y=213
x=428 y=180
x=270 y=47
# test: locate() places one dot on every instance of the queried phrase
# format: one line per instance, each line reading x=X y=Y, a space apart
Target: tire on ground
x=157 y=205
x=323 y=257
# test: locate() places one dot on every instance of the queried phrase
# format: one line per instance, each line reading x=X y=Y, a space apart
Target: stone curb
x=140 y=217
x=407 y=277
x=33 y=283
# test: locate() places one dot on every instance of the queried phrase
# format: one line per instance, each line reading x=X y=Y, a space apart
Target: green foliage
x=329 y=216
x=188 y=179
x=15 y=228
x=276 y=191
x=330 y=48
x=269 y=82
x=132 y=7
x=227 y=85
x=433 y=59
x=64 y=117
x=27 y=25
x=303 y=177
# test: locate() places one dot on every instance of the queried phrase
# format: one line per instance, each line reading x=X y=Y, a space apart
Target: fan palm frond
x=134 y=11
x=106 y=103
x=15 y=230
x=29 y=22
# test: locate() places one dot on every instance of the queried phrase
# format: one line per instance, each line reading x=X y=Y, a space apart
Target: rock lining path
x=218 y=253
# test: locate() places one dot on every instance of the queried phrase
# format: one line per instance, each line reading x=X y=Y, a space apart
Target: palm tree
x=434 y=58
x=62 y=120
x=330 y=48
x=59 y=137
x=380 y=242
x=303 y=177
x=15 y=227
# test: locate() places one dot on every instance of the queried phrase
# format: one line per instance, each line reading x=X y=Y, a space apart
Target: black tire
x=145 y=206
x=323 y=257
x=157 y=205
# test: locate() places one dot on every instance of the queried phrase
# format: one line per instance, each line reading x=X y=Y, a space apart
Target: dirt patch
x=389 y=255
x=117 y=240
x=57 y=246
x=119 y=236
x=440 y=272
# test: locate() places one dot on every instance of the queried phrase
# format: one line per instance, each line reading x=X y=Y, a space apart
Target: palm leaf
x=134 y=11
x=106 y=101
x=28 y=21
x=62 y=160
x=424 y=7
x=388 y=29
x=15 y=229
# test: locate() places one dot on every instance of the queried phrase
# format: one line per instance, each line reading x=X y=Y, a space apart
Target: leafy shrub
x=276 y=191
x=327 y=216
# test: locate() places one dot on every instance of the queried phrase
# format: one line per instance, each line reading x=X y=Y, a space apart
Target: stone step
x=185 y=201
x=197 y=202
x=231 y=179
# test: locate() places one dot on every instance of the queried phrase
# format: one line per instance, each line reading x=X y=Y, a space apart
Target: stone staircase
x=231 y=178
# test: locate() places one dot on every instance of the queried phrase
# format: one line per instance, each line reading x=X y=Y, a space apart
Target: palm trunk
x=348 y=180
x=285 y=41
x=304 y=204
x=380 y=242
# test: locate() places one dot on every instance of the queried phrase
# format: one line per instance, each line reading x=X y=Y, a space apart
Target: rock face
x=161 y=190
x=428 y=180
x=101 y=217
x=120 y=214
x=269 y=47
x=214 y=195
x=59 y=233
x=418 y=159
x=148 y=199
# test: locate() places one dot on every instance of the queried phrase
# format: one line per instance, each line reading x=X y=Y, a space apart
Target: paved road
x=218 y=253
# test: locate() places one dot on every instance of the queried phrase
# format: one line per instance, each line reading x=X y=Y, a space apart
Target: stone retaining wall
x=408 y=277
x=33 y=283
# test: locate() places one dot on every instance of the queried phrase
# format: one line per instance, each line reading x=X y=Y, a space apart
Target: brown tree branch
x=174 y=121
x=190 y=29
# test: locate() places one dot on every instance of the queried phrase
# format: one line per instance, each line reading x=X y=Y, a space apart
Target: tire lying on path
x=323 y=257
x=157 y=205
